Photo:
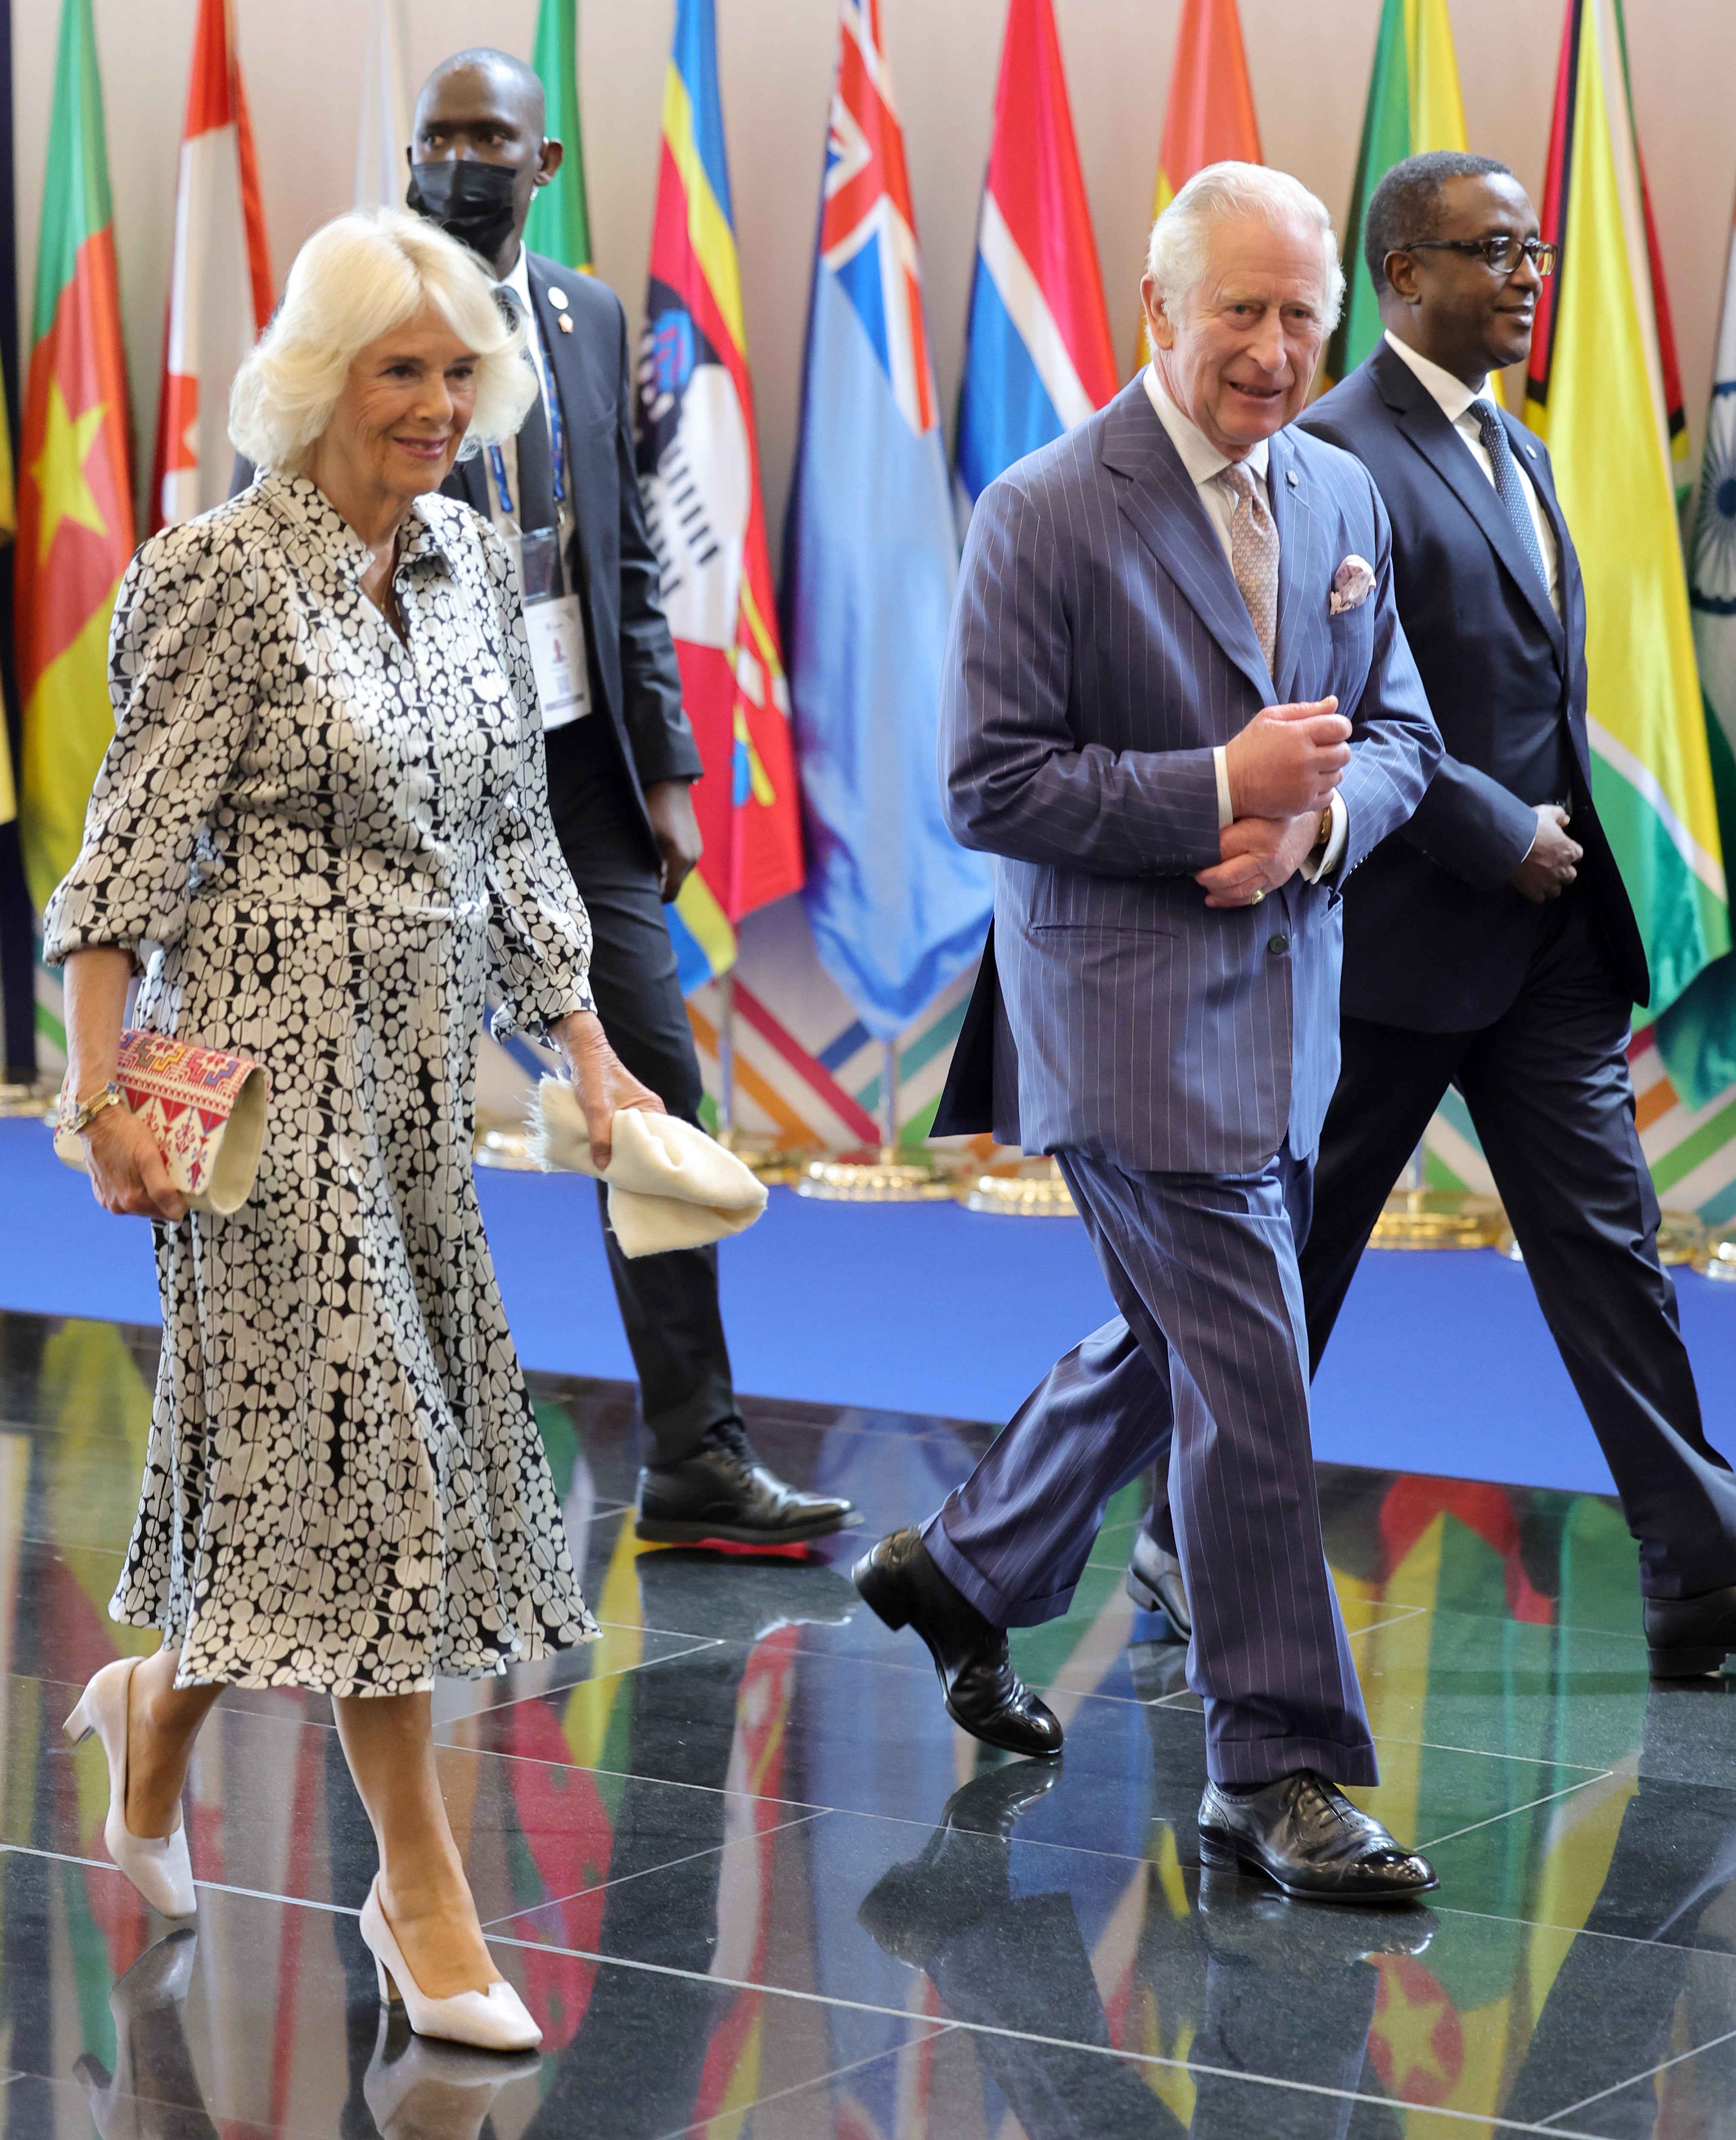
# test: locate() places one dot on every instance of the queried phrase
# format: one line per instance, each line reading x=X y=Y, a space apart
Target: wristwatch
x=76 y=1116
x=1323 y=837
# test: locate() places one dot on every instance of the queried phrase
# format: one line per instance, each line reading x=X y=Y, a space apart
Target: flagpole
x=889 y=1098
x=726 y=1058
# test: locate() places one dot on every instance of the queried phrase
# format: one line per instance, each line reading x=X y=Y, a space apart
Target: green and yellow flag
x=1596 y=391
x=560 y=224
x=1413 y=105
x=75 y=500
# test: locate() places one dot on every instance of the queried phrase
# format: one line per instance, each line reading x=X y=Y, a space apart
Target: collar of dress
x=298 y=498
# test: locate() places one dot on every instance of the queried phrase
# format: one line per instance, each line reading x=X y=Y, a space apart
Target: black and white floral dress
x=326 y=847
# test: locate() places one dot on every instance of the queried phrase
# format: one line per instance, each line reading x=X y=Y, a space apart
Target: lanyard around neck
x=556 y=432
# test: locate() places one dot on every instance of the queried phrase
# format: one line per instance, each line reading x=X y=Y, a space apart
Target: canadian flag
x=219 y=285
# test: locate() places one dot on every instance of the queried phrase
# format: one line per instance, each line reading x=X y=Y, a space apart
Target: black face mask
x=472 y=202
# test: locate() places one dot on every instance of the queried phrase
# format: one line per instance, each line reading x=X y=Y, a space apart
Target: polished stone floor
x=753 y=1884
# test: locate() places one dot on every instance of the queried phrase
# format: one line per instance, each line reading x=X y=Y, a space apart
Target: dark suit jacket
x=1100 y=650
x=1435 y=938
x=611 y=567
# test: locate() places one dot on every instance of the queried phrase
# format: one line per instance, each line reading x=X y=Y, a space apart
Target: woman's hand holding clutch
x=127 y=1172
x=601 y=1080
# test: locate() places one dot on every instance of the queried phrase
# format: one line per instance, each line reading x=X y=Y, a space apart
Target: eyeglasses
x=1501 y=255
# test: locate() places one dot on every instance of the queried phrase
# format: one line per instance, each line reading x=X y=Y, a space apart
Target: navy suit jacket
x=1435 y=938
x=1100 y=648
x=612 y=565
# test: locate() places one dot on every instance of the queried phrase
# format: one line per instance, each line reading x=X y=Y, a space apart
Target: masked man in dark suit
x=620 y=753
x=1489 y=943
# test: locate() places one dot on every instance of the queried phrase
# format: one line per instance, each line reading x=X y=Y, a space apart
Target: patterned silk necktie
x=1507 y=484
x=1253 y=555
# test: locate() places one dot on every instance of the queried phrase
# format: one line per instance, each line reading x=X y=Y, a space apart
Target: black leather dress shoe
x=723 y=1492
x=1155 y=1583
x=1305 y=1835
x=984 y=1693
x=1687 y=1638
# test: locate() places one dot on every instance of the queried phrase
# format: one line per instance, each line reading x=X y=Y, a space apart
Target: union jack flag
x=867 y=225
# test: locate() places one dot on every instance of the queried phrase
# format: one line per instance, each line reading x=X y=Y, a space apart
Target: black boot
x=984 y=1693
x=1689 y=1637
x=723 y=1492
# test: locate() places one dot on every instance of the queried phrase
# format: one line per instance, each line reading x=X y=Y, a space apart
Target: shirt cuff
x=1220 y=766
x=1314 y=872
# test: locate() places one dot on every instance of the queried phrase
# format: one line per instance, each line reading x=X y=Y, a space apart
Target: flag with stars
x=896 y=906
x=699 y=465
x=75 y=493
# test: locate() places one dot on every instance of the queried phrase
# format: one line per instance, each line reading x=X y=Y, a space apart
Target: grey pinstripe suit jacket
x=1100 y=648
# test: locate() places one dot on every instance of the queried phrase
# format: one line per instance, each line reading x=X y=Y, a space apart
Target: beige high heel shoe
x=493 y=2020
x=157 y=1865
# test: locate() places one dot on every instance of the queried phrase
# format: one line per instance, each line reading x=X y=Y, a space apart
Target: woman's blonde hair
x=353 y=282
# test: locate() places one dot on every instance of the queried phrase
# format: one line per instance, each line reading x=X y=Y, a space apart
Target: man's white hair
x=1180 y=253
x=355 y=280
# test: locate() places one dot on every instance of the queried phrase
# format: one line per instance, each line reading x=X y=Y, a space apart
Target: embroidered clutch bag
x=205 y=1109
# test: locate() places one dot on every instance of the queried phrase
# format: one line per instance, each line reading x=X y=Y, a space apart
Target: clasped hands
x=1283 y=768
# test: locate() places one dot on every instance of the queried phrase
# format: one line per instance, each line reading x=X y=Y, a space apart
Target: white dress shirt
x=519 y=282
x=1454 y=398
x=1205 y=463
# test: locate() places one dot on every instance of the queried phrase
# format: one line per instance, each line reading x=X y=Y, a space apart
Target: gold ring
x=1256 y=898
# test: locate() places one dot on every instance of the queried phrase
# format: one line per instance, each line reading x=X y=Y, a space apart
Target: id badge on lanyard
x=554 y=628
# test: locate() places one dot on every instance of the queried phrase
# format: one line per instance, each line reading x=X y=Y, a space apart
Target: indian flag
x=1596 y=392
x=1209 y=119
x=1413 y=105
x=74 y=495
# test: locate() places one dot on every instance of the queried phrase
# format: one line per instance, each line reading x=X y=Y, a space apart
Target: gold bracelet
x=76 y=1116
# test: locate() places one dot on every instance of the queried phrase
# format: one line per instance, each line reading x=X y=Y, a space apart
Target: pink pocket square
x=1353 y=584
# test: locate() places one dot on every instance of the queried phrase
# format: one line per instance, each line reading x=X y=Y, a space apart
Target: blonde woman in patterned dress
x=321 y=837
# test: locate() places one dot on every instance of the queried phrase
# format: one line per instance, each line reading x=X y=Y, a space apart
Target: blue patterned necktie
x=1511 y=491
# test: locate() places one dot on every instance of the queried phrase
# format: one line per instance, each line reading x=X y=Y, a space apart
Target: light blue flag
x=896 y=906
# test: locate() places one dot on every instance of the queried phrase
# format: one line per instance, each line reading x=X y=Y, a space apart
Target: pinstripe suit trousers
x=1206 y=1366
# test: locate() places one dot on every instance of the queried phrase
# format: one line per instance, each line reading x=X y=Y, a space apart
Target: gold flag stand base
x=1439 y=1218
x=889 y=1175
x=507 y=1148
x=32 y=1102
x=1033 y=1190
x=778 y=1165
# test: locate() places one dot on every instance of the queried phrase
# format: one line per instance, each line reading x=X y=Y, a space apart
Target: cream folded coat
x=670 y=1186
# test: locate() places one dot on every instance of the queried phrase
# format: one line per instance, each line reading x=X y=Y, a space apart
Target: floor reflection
x=752 y=1883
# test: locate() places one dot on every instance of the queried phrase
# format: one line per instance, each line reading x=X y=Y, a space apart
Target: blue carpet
x=1440 y=1363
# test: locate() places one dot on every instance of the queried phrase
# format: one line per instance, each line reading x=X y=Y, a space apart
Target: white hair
x=1179 y=255
x=355 y=280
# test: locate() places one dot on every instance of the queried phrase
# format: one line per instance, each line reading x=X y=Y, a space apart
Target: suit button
x=1278 y=945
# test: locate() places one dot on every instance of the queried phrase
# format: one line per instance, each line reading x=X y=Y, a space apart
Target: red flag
x=220 y=280
x=1210 y=116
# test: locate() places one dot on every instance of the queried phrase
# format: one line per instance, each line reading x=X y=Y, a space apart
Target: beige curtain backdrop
x=1309 y=60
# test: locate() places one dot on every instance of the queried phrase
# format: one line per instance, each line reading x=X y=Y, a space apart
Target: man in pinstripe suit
x=1159 y=620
